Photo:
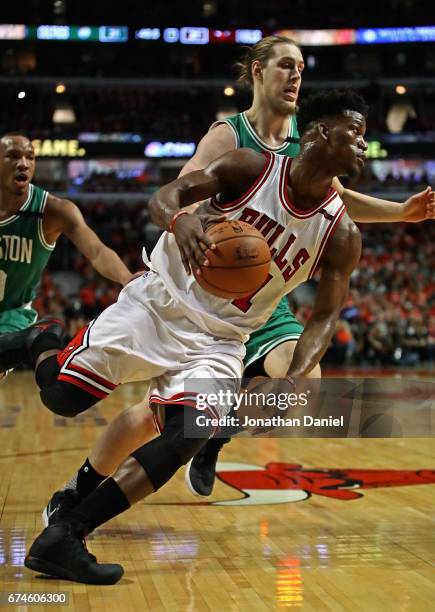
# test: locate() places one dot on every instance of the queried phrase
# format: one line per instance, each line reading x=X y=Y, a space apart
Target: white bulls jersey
x=296 y=239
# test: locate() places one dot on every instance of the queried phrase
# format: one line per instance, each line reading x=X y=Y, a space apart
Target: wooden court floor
x=342 y=524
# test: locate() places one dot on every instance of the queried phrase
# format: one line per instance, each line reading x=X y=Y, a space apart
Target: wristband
x=174 y=218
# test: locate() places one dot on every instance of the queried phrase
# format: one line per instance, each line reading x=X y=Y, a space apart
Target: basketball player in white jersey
x=273 y=69
x=167 y=329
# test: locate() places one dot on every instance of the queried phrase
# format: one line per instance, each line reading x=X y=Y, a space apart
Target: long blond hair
x=261 y=51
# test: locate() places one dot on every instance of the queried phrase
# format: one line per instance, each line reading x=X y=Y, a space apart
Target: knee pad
x=59 y=396
x=47 y=372
x=159 y=460
x=164 y=455
x=65 y=399
x=174 y=431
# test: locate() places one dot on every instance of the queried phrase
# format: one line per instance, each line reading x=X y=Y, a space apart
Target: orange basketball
x=240 y=263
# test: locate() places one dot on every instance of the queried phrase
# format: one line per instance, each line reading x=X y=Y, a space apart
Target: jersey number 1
x=245 y=303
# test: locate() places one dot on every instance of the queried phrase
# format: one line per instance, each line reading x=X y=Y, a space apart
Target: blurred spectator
x=388 y=318
x=343 y=344
x=380 y=343
x=170 y=112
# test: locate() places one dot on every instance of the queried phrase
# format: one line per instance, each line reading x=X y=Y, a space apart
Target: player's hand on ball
x=189 y=233
x=209 y=220
x=420 y=206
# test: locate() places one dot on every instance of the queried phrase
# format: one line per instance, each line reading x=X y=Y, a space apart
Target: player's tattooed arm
x=338 y=262
x=229 y=175
x=367 y=209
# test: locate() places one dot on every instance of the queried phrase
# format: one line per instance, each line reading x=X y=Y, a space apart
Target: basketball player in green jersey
x=273 y=68
x=31 y=220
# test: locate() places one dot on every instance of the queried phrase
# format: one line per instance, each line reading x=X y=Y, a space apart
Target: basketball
x=240 y=263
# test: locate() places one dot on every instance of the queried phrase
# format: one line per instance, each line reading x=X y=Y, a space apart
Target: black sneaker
x=201 y=470
x=61 y=503
x=60 y=551
x=16 y=347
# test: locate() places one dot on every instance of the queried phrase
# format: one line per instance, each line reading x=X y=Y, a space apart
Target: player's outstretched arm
x=338 y=262
x=367 y=209
x=64 y=217
x=230 y=174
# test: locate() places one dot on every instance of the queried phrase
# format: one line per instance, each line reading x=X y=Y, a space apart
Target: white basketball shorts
x=146 y=337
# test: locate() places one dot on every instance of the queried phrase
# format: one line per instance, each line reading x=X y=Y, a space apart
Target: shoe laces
x=78 y=541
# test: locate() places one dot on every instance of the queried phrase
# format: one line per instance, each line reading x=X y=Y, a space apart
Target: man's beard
x=283 y=109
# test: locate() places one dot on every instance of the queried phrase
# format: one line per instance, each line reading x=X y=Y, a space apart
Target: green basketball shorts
x=281 y=327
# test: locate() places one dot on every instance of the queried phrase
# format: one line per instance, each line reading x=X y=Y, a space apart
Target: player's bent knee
x=277 y=362
x=162 y=457
x=316 y=372
x=59 y=396
x=65 y=399
x=46 y=372
x=186 y=436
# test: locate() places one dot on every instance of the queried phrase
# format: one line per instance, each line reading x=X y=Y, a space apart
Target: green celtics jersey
x=282 y=325
x=23 y=252
x=246 y=136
